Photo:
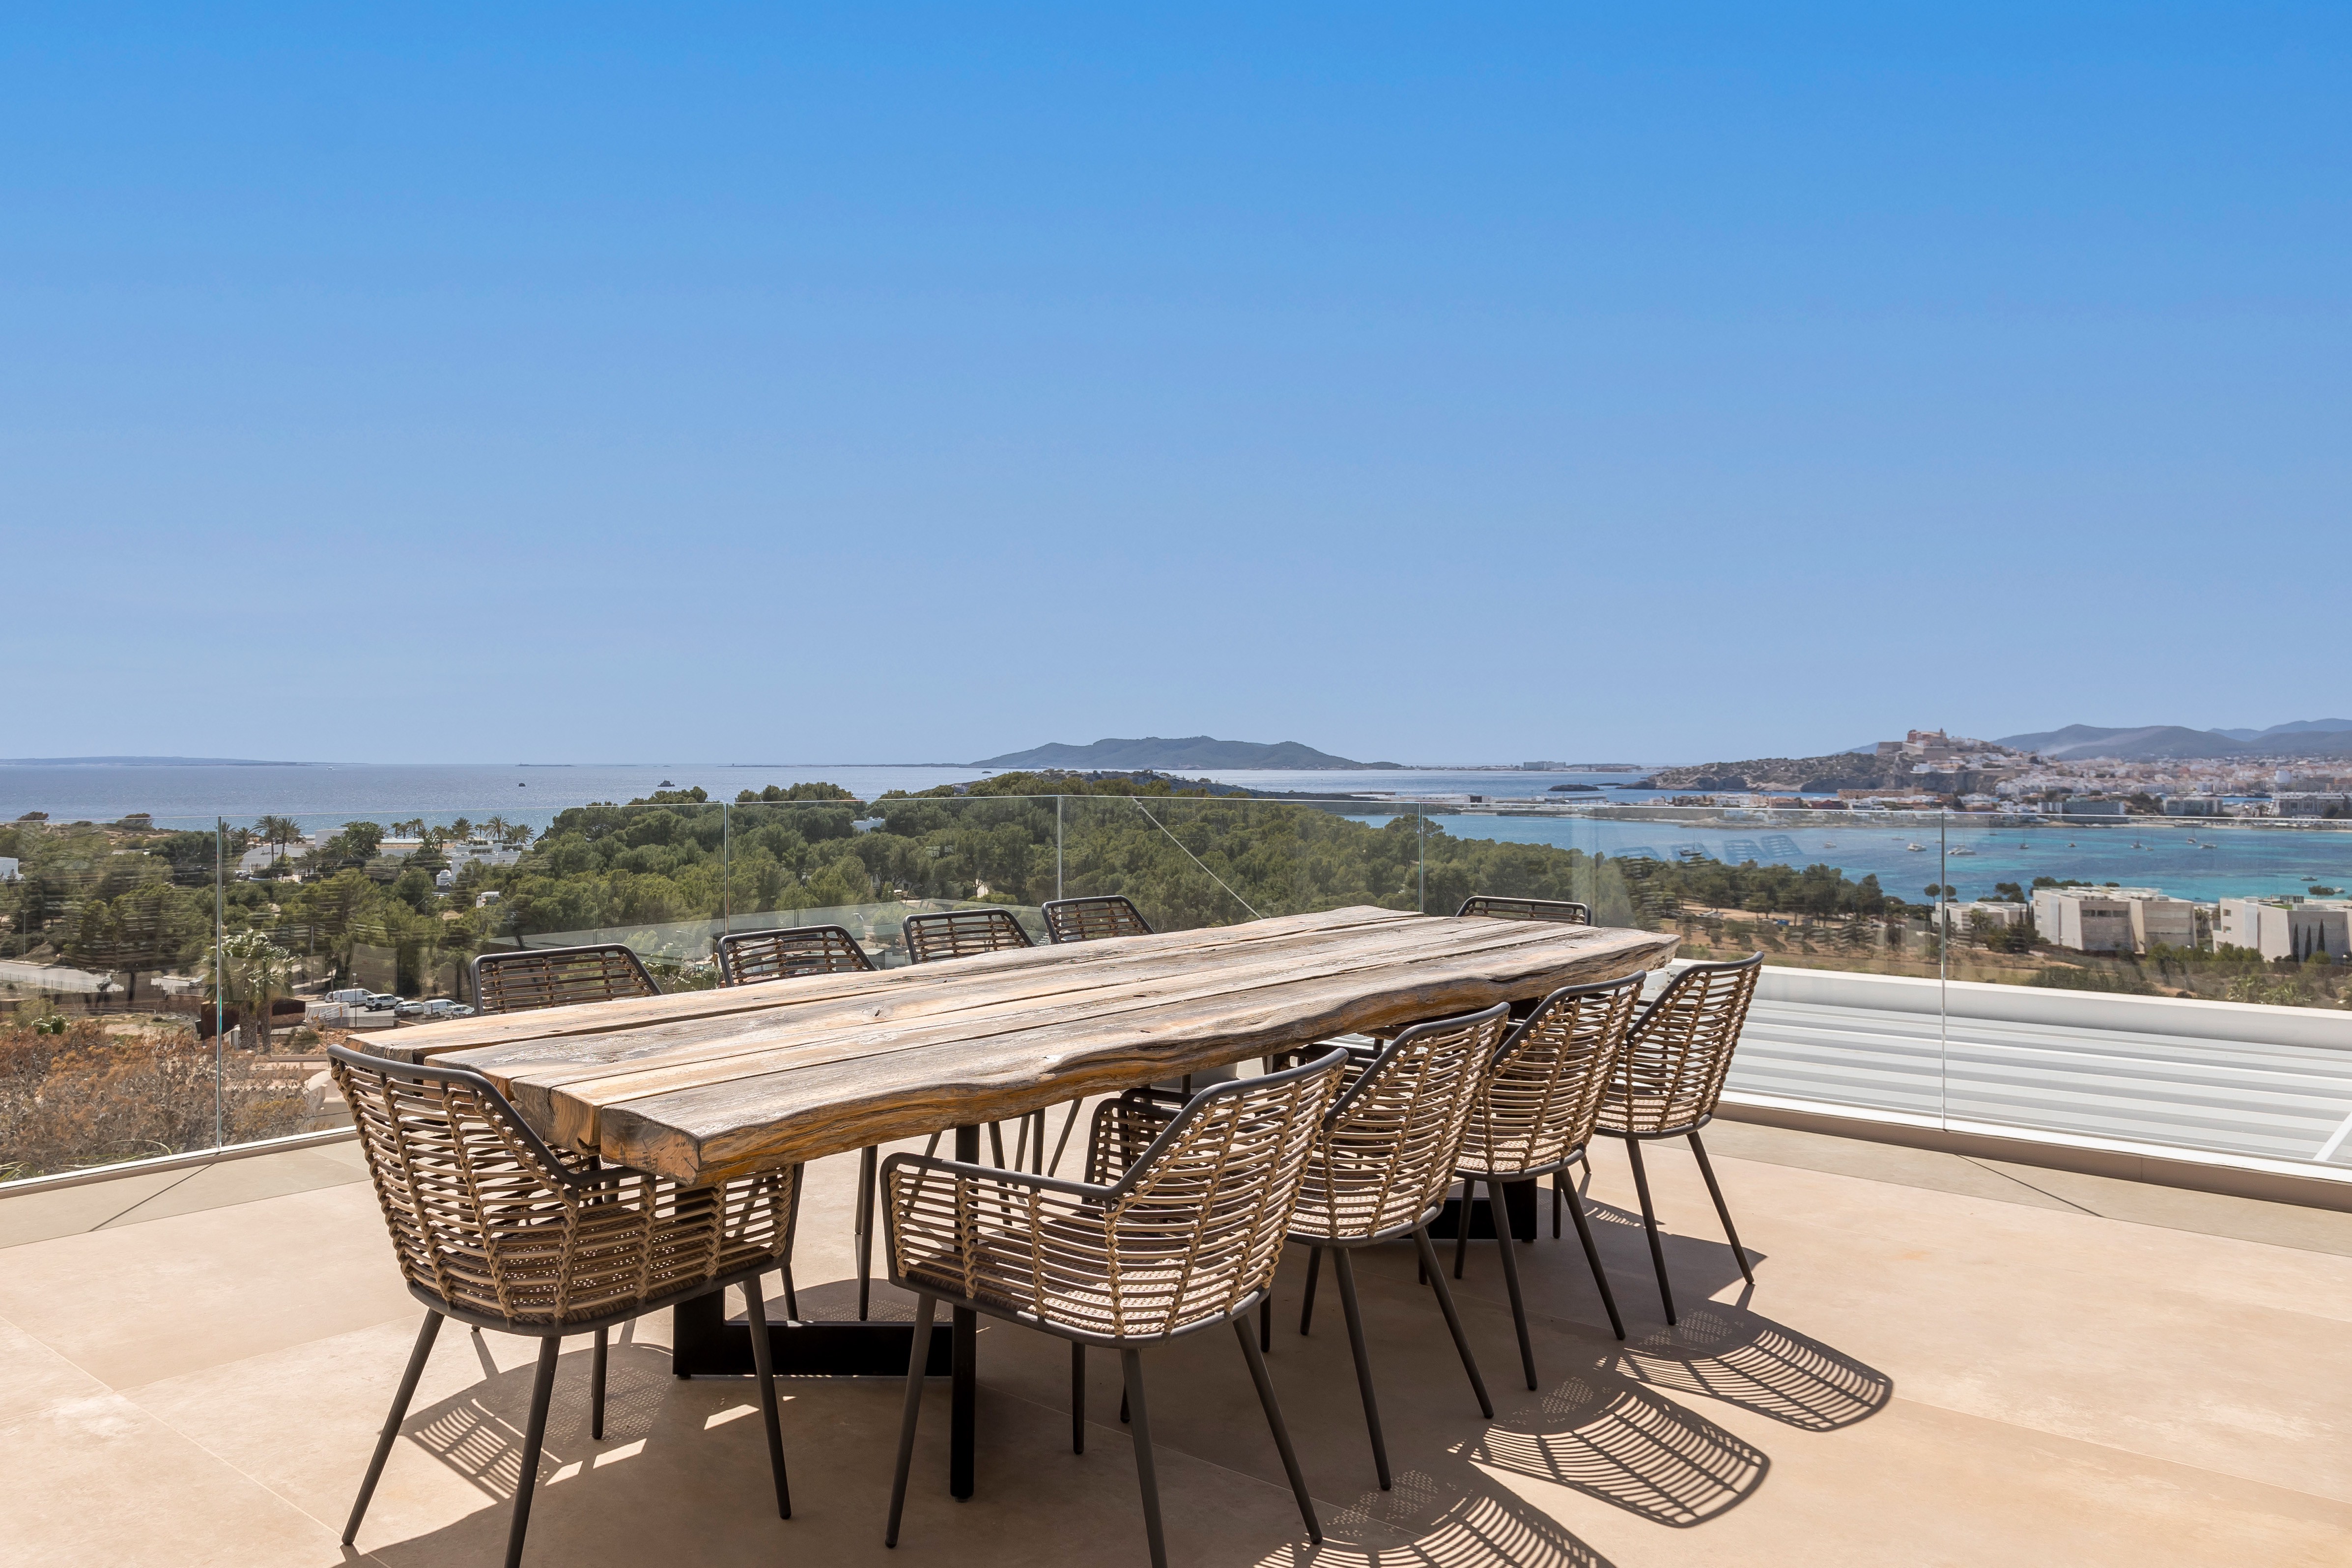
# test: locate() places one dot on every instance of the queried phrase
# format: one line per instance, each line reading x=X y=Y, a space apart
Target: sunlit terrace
x=1943 y=1359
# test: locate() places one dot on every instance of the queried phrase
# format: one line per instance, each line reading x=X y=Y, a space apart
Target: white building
x=2114 y=919
x=9 y=869
x=2287 y=928
x=1986 y=912
x=479 y=852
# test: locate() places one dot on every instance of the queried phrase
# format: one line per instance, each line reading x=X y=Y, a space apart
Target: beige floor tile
x=1873 y=1162
x=33 y=1377
x=243 y=1181
x=140 y=1302
x=98 y=1479
x=68 y=1211
x=2177 y=1208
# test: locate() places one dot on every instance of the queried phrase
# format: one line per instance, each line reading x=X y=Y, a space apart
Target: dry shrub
x=89 y=1097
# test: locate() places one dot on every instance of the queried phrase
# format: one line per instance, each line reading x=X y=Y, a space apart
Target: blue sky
x=587 y=382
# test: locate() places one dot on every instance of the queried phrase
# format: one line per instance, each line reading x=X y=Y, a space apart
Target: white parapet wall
x=2214 y=1080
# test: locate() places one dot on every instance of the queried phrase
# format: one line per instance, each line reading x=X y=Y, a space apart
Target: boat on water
x=1959 y=849
x=1916 y=846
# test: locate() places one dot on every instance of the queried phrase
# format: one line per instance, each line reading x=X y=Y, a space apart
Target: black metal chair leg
x=1307 y=1299
x=932 y=1146
x=1558 y=1180
x=866 y=1158
x=1722 y=1211
x=1131 y=1367
x=1078 y=1398
x=762 y=1362
x=1650 y=1225
x=1344 y=1271
x=1452 y=1319
x=792 y=1297
x=427 y=1333
x=534 y=1437
x=996 y=1142
x=1064 y=1141
x=596 y=1387
x=1265 y=1323
x=1256 y=1358
x=916 y=1362
x=1461 y=1225
x=1592 y=1256
x=1507 y=1242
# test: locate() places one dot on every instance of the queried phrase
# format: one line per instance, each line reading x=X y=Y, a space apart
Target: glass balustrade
x=168 y=985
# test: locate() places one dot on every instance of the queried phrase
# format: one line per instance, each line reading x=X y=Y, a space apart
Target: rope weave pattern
x=749 y=956
x=1090 y=919
x=1390 y=1152
x=479 y=1218
x=558 y=977
x=1672 y=1070
x=1543 y=1096
x=1197 y=1232
x=959 y=933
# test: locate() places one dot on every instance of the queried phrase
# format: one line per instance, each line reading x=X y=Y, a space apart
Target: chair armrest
x=963 y=1170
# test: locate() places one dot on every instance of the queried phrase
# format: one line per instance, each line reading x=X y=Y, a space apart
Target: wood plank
x=430 y=1040
x=744 y=1123
x=568 y=1092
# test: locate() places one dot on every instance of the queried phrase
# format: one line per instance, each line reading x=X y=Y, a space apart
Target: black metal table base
x=1519 y=1197
x=704 y=1343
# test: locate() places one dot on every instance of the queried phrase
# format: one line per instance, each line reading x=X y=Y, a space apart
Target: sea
x=2188 y=857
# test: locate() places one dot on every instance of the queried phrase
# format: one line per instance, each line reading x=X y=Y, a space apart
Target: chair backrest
x=1386 y=1153
x=1502 y=908
x=1543 y=1092
x=1677 y=1056
x=1089 y=920
x=1197 y=1223
x=535 y=977
x=959 y=933
x=745 y=956
x=490 y=1221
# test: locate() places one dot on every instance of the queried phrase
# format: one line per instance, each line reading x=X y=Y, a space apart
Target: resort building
x=2114 y=919
x=2287 y=928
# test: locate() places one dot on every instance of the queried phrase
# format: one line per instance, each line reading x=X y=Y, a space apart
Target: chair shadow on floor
x=1727 y=1352
x=1469 y=1523
x=1614 y=1439
x=478 y=1433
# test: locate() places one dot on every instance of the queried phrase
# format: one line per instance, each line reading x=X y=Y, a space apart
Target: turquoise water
x=2242 y=861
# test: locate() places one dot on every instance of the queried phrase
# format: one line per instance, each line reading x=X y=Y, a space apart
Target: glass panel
x=106 y=1048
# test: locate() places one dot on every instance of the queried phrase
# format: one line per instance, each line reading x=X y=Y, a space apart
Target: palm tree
x=253 y=972
x=277 y=832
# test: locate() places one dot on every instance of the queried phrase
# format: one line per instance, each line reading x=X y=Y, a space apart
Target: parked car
x=432 y=1007
x=380 y=1001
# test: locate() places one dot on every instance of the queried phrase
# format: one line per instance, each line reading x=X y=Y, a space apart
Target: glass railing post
x=1421 y=859
x=220 y=990
x=1057 y=846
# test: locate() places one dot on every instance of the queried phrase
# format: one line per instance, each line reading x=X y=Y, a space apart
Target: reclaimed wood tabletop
x=702 y=1086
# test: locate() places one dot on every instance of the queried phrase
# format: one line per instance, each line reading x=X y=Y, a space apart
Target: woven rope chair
x=1383 y=1164
x=536 y=977
x=964 y=933
x=496 y=1229
x=1502 y=908
x=1669 y=1077
x=1091 y=920
x=1534 y=1117
x=1186 y=1239
x=961 y=933
x=747 y=957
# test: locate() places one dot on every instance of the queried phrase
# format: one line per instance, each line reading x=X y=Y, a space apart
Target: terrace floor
x=1944 y=1361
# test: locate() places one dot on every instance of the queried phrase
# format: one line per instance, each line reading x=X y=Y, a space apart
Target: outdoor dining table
x=702 y=1086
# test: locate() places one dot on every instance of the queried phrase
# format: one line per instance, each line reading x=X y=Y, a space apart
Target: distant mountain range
x=1164 y=756
x=2303 y=738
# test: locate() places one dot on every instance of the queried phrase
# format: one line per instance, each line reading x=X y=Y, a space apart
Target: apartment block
x=2114 y=919
x=2287 y=928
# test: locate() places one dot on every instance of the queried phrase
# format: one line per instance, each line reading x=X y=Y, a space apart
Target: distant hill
x=2148 y=741
x=1841 y=770
x=2301 y=738
x=1161 y=755
x=143 y=762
